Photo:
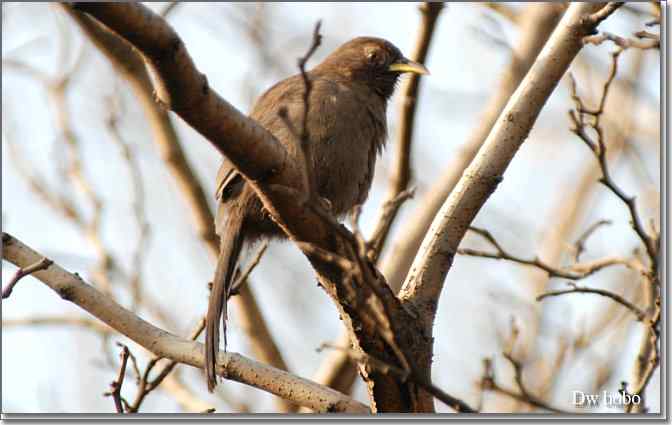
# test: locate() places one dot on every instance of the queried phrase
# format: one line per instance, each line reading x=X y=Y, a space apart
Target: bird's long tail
x=230 y=247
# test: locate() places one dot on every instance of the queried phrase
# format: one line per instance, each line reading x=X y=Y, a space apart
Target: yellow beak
x=407 y=65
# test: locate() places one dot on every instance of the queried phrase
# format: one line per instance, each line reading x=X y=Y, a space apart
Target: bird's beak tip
x=407 y=65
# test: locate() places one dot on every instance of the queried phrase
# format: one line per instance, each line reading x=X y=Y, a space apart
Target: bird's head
x=373 y=61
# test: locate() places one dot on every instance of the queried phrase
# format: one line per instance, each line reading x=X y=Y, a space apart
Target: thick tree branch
x=537 y=23
x=378 y=323
x=425 y=281
x=130 y=65
x=72 y=288
x=337 y=370
x=180 y=87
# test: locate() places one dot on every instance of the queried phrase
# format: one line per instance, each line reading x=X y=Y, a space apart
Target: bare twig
x=115 y=386
x=599 y=149
x=524 y=392
x=648 y=358
x=488 y=382
x=306 y=148
x=43 y=264
x=147 y=385
x=388 y=213
x=580 y=244
x=583 y=290
x=643 y=41
x=575 y=272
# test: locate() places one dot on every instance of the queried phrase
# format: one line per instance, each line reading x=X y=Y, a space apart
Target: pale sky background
x=52 y=369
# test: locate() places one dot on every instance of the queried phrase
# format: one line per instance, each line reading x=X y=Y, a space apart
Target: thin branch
x=639 y=313
x=43 y=264
x=489 y=383
x=306 y=147
x=599 y=149
x=644 y=40
x=146 y=385
x=575 y=272
x=115 y=386
x=580 y=244
x=648 y=358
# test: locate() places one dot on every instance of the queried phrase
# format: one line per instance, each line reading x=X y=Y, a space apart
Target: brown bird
x=346 y=128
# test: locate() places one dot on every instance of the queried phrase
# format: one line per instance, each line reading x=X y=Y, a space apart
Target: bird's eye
x=373 y=56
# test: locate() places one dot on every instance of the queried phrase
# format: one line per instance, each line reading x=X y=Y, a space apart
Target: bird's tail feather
x=231 y=244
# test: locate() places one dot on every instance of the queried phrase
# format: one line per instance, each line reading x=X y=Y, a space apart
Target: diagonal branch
x=537 y=23
x=182 y=88
x=72 y=288
x=131 y=66
x=424 y=283
x=377 y=321
x=41 y=264
x=580 y=244
x=336 y=369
